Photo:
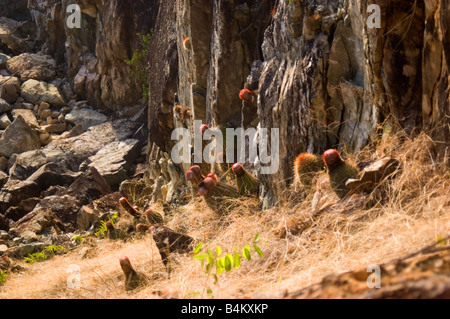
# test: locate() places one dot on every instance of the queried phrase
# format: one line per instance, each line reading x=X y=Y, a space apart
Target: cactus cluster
x=217 y=194
x=151 y=215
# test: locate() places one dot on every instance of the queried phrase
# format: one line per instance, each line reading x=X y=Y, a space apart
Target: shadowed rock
x=169 y=241
x=374 y=174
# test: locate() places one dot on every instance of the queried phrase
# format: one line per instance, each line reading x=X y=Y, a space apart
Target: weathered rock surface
x=32 y=66
x=4 y=122
x=3 y=59
x=3 y=178
x=35 y=92
x=19 y=137
x=52 y=174
x=15 y=9
x=25 y=206
x=9 y=89
x=85 y=117
x=72 y=151
x=96 y=52
x=114 y=161
x=91 y=213
x=374 y=174
x=420 y=276
x=27 y=115
x=14 y=191
x=4 y=223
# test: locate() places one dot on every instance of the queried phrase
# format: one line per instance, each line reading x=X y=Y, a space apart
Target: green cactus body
x=154 y=217
x=338 y=171
x=116 y=234
x=246 y=183
x=338 y=177
x=306 y=166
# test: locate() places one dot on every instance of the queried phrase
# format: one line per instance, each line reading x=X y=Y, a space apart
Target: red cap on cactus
x=331 y=157
x=204 y=127
x=238 y=169
x=208 y=185
x=246 y=95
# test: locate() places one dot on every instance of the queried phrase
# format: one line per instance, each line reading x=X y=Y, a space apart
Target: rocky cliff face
x=94 y=54
x=323 y=73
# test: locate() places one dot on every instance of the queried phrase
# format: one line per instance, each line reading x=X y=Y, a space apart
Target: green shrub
x=215 y=263
x=137 y=62
x=48 y=252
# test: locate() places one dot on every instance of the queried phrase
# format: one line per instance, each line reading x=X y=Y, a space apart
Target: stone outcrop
x=323 y=74
x=85 y=117
x=96 y=52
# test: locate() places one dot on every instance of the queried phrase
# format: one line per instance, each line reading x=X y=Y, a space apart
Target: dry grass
x=300 y=245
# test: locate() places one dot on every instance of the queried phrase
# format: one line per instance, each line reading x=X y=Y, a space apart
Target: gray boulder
x=36 y=92
x=114 y=160
x=52 y=174
x=85 y=117
x=3 y=59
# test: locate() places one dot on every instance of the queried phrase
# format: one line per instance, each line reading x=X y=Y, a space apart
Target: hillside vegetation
x=300 y=245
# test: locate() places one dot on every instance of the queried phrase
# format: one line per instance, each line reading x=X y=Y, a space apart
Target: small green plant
x=45 y=254
x=441 y=241
x=101 y=230
x=137 y=62
x=215 y=263
x=3 y=275
x=77 y=239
